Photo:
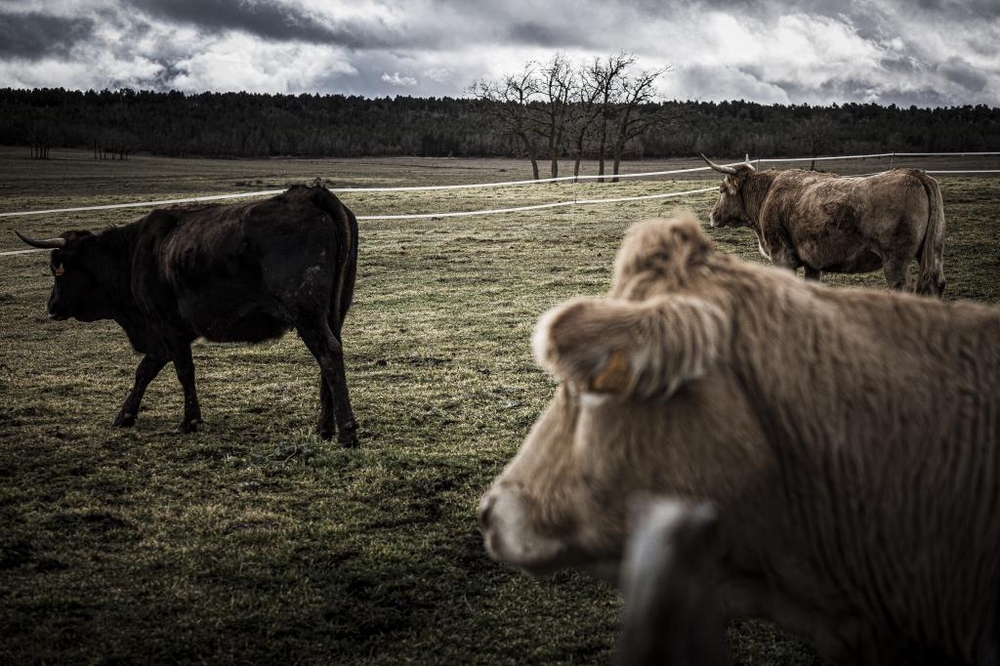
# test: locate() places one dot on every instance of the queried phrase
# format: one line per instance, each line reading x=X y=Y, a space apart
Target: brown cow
x=824 y=222
x=849 y=440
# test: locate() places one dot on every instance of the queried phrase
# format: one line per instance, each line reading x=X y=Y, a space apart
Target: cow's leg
x=785 y=258
x=184 y=365
x=327 y=409
x=327 y=426
x=812 y=273
x=147 y=371
x=334 y=397
x=896 y=273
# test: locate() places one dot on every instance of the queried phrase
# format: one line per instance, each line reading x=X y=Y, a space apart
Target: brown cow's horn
x=729 y=171
x=47 y=244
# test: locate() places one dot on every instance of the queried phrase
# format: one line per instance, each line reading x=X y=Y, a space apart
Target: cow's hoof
x=124 y=420
x=188 y=426
x=347 y=436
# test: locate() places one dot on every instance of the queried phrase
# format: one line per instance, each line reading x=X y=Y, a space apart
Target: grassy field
x=253 y=541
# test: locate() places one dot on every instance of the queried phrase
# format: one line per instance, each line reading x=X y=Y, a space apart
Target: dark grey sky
x=923 y=52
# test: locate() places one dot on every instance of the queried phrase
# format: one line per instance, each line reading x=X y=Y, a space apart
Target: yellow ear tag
x=59 y=270
x=616 y=375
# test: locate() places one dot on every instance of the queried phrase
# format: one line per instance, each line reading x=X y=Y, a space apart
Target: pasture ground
x=253 y=541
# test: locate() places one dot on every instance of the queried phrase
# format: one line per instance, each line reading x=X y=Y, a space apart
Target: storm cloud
x=268 y=19
x=926 y=52
x=34 y=35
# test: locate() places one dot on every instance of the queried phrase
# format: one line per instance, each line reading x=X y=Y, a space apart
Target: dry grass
x=253 y=541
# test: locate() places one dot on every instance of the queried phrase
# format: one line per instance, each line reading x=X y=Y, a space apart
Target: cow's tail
x=931 y=278
x=347 y=261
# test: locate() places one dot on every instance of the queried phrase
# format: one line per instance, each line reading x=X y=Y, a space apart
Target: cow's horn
x=729 y=171
x=47 y=244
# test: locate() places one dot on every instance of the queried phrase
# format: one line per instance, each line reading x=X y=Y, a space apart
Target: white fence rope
x=966 y=171
x=143 y=204
x=822 y=159
x=491 y=211
x=416 y=188
x=517 y=209
x=507 y=183
x=495 y=211
x=504 y=183
x=972 y=154
x=874 y=155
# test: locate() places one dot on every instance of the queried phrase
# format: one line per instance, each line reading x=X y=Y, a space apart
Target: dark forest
x=117 y=123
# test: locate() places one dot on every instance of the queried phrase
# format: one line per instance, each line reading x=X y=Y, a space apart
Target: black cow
x=234 y=272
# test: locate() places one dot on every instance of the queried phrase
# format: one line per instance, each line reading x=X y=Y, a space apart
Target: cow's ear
x=647 y=348
x=733 y=183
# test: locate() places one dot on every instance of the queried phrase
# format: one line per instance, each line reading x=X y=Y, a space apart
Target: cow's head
x=77 y=291
x=730 y=209
x=639 y=410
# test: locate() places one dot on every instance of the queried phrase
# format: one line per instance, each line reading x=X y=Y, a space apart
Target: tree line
x=549 y=111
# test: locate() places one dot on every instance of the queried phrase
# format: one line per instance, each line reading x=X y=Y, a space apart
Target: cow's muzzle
x=508 y=535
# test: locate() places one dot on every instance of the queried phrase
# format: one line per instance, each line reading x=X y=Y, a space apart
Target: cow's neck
x=113 y=270
x=754 y=192
x=112 y=265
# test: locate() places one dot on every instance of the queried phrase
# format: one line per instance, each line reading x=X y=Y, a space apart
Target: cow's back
x=847 y=224
x=248 y=271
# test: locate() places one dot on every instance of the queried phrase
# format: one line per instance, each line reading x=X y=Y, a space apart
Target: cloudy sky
x=923 y=52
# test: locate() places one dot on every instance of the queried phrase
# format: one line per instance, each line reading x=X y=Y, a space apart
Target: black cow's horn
x=47 y=244
x=729 y=171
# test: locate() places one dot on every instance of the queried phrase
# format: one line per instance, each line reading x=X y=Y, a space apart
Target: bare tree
x=586 y=109
x=604 y=76
x=557 y=83
x=509 y=100
x=554 y=106
x=635 y=93
x=41 y=141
